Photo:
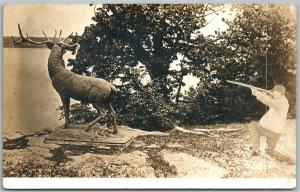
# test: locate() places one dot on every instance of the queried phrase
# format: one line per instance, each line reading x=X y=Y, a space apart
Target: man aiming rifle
x=272 y=124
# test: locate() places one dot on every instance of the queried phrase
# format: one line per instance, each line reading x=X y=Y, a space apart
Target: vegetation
x=127 y=44
x=258 y=48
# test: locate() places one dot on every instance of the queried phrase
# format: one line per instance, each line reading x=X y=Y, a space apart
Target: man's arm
x=265 y=99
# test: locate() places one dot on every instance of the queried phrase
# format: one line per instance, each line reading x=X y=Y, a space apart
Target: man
x=272 y=124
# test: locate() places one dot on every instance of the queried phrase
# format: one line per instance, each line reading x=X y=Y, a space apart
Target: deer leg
x=113 y=114
x=66 y=105
x=101 y=114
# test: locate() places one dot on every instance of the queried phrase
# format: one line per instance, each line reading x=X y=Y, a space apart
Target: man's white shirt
x=275 y=118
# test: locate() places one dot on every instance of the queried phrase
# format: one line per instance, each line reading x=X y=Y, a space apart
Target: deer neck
x=56 y=65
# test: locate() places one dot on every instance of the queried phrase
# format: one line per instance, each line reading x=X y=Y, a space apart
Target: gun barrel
x=240 y=84
x=245 y=85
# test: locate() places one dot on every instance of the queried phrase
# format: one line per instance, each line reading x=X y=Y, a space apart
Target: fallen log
x=217 y=130
x=188 y=131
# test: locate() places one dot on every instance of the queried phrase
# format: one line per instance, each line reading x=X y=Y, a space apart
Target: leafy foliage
x=128 y=42
x=258 y=49
x=148 y=110
x=80 y=113
x=125 y=36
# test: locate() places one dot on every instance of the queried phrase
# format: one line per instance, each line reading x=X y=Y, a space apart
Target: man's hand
x=254 y=91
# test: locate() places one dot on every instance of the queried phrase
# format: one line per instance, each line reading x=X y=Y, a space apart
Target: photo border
x=91 y=183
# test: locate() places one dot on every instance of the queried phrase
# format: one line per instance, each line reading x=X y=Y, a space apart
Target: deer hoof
x=115 y=131
x=66 y=126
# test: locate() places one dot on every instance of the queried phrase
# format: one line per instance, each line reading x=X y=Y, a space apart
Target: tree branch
x=180 y=81
x=213 y=12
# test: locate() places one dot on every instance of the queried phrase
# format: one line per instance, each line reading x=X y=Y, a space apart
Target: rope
x=267 y=57
x=266 y=158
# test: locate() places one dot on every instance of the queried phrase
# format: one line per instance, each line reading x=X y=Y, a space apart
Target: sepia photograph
x=176 y=93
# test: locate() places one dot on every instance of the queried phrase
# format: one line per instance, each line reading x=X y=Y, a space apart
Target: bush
x=80 y=113
x=147 y=109
x=220 y=104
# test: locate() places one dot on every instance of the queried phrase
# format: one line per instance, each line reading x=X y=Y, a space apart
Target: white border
x=93 y=183
x=130 y=183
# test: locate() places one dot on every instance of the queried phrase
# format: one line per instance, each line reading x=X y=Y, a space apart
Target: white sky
x=35 y=17
x=69 y=17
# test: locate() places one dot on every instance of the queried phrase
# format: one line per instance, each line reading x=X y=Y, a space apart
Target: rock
x=189 y=166
x=12 y=136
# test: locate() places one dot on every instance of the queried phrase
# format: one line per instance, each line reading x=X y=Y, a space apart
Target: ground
x=215 y=151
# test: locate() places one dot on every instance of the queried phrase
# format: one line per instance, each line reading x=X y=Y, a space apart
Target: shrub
x=147 y=109
x=80 y=113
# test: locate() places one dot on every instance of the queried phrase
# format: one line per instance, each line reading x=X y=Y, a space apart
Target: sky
x=35 y=17
x=69 y=17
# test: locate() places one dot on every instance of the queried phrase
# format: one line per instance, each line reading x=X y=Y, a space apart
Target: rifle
x=251 y=87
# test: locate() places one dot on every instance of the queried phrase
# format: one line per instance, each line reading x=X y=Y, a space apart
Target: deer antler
x=67 y=37
x=59 y=37
x=28 y=40
x=54 y=36
x=45 y=35
x=68 y=45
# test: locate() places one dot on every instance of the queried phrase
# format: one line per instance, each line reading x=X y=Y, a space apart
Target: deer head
x=50 y=43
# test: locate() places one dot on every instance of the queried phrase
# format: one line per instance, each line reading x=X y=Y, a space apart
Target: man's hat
x=279 y=88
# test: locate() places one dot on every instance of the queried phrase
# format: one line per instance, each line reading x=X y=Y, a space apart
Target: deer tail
x=114 y=90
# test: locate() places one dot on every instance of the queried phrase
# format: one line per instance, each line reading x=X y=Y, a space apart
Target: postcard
x=149 y=96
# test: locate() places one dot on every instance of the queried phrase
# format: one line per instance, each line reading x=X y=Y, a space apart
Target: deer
x=67 y=84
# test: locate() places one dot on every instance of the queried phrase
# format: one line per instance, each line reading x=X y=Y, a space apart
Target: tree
x=258 y=49
x=126 y=37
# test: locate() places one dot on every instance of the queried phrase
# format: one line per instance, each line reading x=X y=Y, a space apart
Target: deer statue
x=96 y=91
